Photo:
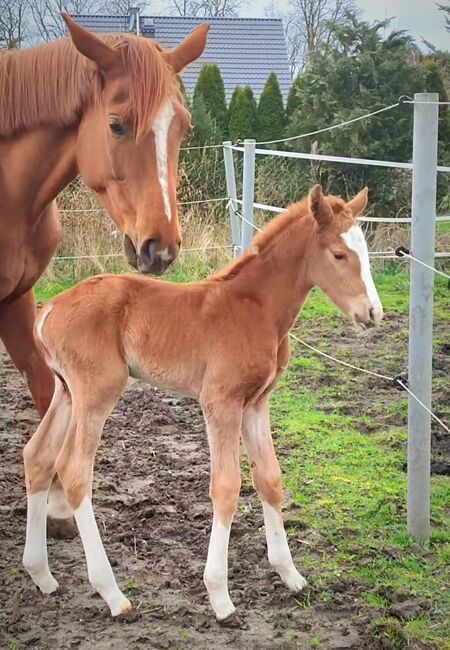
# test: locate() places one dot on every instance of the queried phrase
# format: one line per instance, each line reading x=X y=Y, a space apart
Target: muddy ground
x=152 y=505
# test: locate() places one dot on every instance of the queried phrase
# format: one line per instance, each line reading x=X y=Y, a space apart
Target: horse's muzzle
x=151 y=258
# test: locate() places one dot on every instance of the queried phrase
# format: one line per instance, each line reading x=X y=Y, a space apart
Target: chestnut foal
x=224 y=340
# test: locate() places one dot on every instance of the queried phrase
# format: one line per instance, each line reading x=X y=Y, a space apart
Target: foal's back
x=171 y=335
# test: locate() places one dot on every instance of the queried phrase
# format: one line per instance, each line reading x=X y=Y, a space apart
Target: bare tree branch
x=12 y=23
x=307 y=27
x=207 y=8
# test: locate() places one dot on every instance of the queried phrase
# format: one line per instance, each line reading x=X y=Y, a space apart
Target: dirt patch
x=154 y=513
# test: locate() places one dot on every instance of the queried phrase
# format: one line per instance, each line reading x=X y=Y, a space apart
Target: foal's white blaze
x=216 y=570
x=278 y=550
x=100 y=573
x=160 y=128
x=355 y=240
x=35 y=558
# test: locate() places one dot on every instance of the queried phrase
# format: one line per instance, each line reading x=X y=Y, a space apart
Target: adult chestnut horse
x=224 y=340
x=110 y=110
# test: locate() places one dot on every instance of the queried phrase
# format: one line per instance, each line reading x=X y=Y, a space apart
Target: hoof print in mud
x=61 y=528
x=233 y=621
x=130 y=616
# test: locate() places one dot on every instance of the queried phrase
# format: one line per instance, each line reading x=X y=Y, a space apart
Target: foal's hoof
x=124 y=611
x=61 y=528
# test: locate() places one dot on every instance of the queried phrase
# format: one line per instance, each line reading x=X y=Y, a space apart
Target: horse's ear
x=91 y=46
x=319 y=206
x=190 y=49
x=359 y=202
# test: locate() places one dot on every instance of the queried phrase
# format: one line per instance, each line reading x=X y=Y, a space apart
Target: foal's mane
x=278 y=228
x=263 y=241
x=51 y=84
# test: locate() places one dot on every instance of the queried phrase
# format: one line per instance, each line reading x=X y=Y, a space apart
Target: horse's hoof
x=129 y=616
x=61 y=528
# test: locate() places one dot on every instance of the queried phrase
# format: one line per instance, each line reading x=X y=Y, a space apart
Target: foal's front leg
x=266 y=476
x=223 y=422
x=75 y=465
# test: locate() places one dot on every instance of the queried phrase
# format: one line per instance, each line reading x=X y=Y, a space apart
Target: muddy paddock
x=154 y=513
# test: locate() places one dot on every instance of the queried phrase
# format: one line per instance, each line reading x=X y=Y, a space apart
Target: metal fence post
x=248 y=192
x=423 y=228
x=232 y=195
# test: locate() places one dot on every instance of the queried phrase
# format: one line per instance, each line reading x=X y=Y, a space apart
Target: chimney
x=133 y=25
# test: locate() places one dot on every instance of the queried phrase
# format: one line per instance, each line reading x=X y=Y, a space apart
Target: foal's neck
x=277 y=276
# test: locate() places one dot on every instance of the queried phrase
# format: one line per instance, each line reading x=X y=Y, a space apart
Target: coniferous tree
x=242 y=114
x=211 y=89
x=293 y=99
x=271 y=113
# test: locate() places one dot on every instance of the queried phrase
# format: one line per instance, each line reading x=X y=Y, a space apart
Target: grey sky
x=420 y=17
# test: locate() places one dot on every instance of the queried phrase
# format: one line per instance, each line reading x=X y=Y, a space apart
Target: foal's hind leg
x=92 y=405
x=267 y=481
x=39 y=457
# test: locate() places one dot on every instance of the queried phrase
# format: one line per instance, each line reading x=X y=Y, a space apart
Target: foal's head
x=339 y=259
x=130 y=134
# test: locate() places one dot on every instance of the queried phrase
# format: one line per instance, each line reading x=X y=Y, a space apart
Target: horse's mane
x=50 y=84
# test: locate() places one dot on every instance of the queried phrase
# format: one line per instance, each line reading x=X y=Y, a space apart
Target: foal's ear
x=190 y=49
x=359 y=202
x=319 y=206
x=91 y=46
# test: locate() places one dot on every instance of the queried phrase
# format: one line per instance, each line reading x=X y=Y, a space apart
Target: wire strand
x=435 y=417
x=302 y=135
x=444 y=275
x=339 y=361
x=330 y=128
x=102 y=255
x=92 y=210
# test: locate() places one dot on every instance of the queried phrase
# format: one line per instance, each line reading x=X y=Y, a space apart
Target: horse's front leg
x=223 y=422
x=16 y=331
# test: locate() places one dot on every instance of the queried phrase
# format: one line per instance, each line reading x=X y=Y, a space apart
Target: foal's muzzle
x=152 y=257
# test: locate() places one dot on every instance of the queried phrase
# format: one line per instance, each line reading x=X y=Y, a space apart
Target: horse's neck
x=38 y=164
x=278 y=278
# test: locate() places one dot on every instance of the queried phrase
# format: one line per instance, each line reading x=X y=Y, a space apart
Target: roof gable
x=246 y=50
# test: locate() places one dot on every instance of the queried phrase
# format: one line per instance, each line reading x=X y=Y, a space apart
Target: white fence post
x=421 y=311
x=248 y=192
x=232 y=195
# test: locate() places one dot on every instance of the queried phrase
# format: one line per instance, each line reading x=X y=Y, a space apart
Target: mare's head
x=130 y=134
x=339 y=259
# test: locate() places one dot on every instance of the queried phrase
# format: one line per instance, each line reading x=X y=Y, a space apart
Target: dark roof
x=247 y=50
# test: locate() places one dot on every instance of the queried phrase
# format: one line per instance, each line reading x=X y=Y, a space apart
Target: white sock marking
x=278 y=550
x=355 y=240
x=35 y=558
x=216 y=570
x=100 y=573
x=160 y=129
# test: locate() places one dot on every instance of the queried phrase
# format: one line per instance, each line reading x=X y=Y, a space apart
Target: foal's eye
x=339 y=256
x=117 y=128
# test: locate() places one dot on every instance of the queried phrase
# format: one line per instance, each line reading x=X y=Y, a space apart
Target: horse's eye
x=339 y=256
x=117 y=128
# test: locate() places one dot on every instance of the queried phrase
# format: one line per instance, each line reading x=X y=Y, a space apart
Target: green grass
x=350 y=486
